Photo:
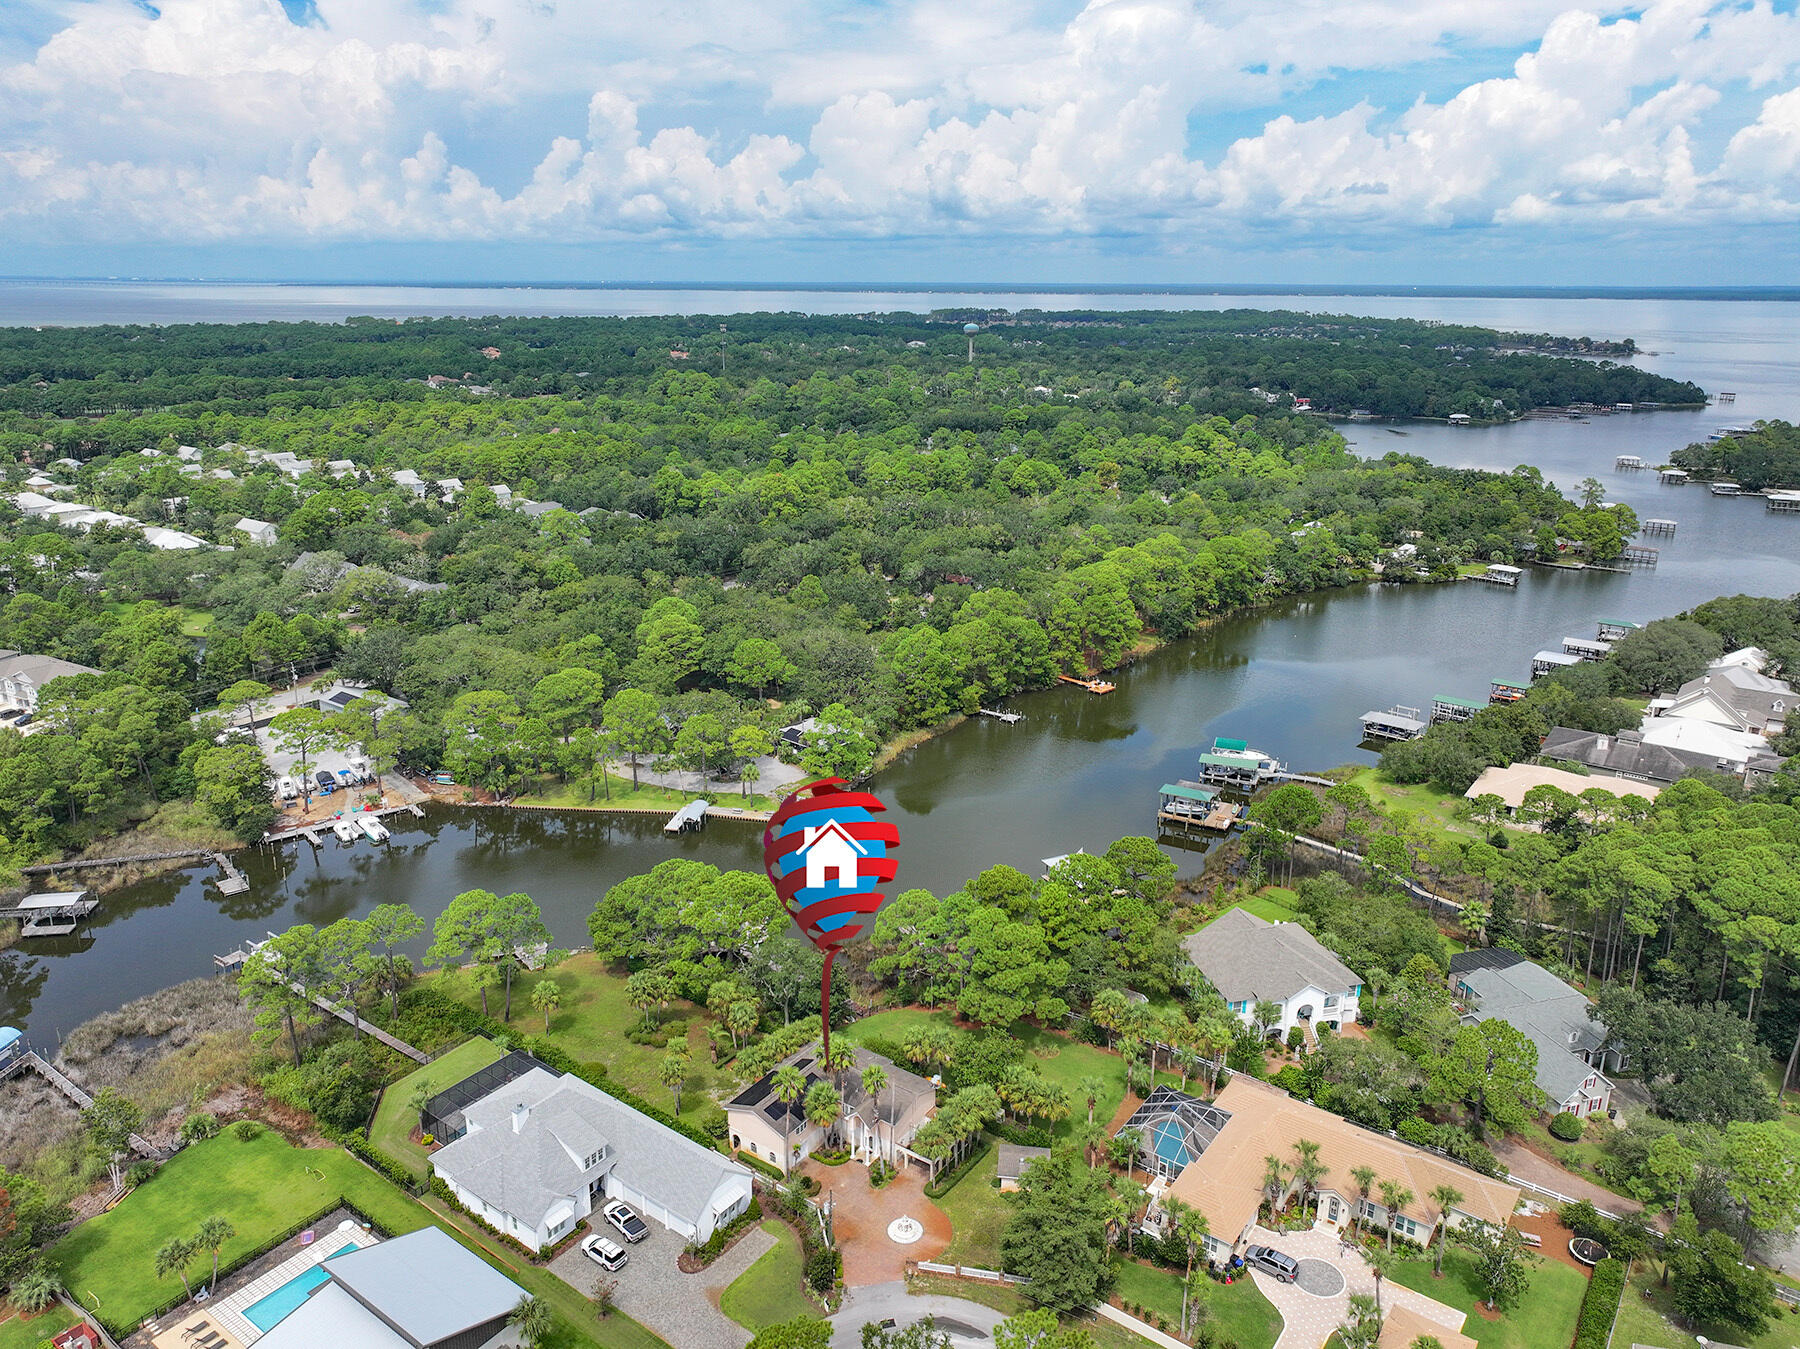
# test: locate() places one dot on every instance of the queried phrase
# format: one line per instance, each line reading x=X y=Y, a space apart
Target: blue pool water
x=264 y=1313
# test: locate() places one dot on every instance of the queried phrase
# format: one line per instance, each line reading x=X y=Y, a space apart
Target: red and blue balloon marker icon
x=825 y=853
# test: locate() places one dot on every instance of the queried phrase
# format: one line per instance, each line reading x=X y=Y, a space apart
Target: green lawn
x=548 y=792
x=263 y=1187
x=1435 y=811
x=1274 y=903
x=1546 y=1316
x=978 y=1212
x=1644 y=1319
x=394 y=1121
x=18 y=1333
x=1238 y=1310
x=591 y=1023
x=769 y=1291
x=1062 y=1060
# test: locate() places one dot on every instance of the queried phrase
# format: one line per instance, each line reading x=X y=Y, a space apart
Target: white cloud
x=222 y=119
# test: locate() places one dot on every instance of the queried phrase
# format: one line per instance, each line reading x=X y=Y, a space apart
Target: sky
x=1465 y=142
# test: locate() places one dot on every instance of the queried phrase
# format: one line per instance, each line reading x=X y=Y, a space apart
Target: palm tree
x=173 y=1259
x=1131 y=1196
x=1091 y=1138
x=1381 y=1265
x=1394 y=1197
x=837 y=1061
x=822 y=1105
x=546 y=997
x=672 y=1072
x=1446 y=1197
x=532 y=1319
x=1308 y=1169
x=1274 y=1181
x=787 y=1086
x=1364 y=1176
x=213 y=1235
x=1092 y=1087
x=874 y=1082
x=1109 y=1011
x=1191 y=1224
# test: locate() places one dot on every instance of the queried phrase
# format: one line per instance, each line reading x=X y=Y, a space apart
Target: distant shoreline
x=1785 y=294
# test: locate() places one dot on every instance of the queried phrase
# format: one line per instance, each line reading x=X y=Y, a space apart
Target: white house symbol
x=829 y=848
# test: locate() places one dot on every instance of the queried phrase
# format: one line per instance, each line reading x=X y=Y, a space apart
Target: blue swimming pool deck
x=250 y=1312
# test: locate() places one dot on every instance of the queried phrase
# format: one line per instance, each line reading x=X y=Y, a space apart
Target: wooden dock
x=51 y=868
x=1673 y=477
x=1500 y=574
x=1639 y=555
x=1091 y=685
x=1583 y=649
x=1445 y=708
x=310 y=832
x=1397 y=723
x=1010 y=718
x=1507 y=691
x=1658 y=526
x=38 y=1064
x=51 y=913
x=1784 y=503
x=1629 y=461
x=233 y=881
x=235 y=960
x=1614 y=629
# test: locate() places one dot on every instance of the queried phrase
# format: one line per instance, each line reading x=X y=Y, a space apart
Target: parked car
x=604 y=1253
x=1271 y=1261
x=625 y=1220
x=327 y=783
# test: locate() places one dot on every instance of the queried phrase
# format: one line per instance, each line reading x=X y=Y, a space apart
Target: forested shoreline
x=619 y=552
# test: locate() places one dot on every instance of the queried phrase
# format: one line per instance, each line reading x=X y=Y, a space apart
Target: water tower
x=971 y=329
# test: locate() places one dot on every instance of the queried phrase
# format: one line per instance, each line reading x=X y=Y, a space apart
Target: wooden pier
x=690 y=817
x=1658 y=526
x=1583 y=649
x=51 y=913
x=1454 y=709
x=1009 y=718
x=233 y=882
x=1397 y=723
x=1091 y=685
x=33 y=1061
x=1637 y=554
x=311 y=832
x=1500 y=574
x=1188 y=805
x=235 y=960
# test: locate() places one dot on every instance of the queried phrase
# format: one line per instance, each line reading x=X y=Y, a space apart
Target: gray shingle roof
x=1533 y=1000
x=1247 y=958
x=526 y=1173
x=425 y=1285
x=1014 y=1158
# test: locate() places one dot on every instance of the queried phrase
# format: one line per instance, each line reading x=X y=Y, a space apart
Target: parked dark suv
x=1271 y=1261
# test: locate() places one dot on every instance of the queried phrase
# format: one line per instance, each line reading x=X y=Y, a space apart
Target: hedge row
x=447 y=1010
x=1600 y=1306
x=946 y=1179
x=370 y=1155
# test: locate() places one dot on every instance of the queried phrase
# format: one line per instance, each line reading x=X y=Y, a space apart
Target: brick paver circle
x=1321 y=1278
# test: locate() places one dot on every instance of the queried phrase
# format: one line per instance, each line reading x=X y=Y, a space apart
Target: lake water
x=1080 y=770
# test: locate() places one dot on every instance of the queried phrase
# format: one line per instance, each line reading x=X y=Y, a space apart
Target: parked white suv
x=604 y=1253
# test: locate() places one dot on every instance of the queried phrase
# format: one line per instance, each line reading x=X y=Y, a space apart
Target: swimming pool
x=266 y=1312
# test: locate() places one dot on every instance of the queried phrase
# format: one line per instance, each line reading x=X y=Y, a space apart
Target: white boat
x=374 y=828
x=346 y=832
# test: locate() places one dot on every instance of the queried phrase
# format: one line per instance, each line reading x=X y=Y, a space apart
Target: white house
x=258 y=531
x=171 y=540
x=882 y=1126
x=539 y=1153
x=830 y=851
x=1251 y=960
x=23 y=676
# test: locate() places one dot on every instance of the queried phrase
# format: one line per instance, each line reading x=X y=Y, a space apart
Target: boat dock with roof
x=1500 y=574
x=1397 y=723
x=50 y=913
x=690 y=817
x=1445 y=708
x=1188 y=805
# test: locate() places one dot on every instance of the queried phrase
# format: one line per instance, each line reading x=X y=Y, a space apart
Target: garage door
x=655 y=1212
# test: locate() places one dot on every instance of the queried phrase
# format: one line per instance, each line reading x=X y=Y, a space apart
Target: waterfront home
x=1571 y=1045
x=884 y=1126
x=1733 y=693
x=1514 y=782
x=1225 y=1182
x=1251 y=960
x=540 y=1152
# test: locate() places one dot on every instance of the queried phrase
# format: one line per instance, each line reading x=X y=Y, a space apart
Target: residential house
x=1511 y=784
x=1012 y=1161
x=33 y=505
x=341 y=468
x=1503 y=985
x=1402 y=1327
x=776 y=1131
x=1625 y=755
x=424 y=1290
x=172 y=540
x=1734 y=692
x=1225 y=1182
x=22 y=676
x=1727 y=749
x=411 y=481
x=540 y=1152
x=1251 y=960
x=78 y=1336
x=258 y=531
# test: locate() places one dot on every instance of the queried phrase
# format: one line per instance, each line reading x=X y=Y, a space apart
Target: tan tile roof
x=1402 y=1325
x=1225 y=1181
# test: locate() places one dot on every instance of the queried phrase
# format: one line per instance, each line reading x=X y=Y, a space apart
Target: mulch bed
x=1549 y=1229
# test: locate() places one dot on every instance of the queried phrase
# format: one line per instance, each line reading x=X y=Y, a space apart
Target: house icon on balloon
x=829 y=850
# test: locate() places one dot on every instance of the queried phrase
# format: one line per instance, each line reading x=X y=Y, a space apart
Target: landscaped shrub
x=755 y=1163
x=139 y=1172
x=714 y=1122
x=1296 y=1039
x=198 y=1127
x=1584 y=1220
x=1565 y=1126
x=245 y=1130
x=948 y=1178
x=1416 y=1131
x=822 y=1268
x=1291 y=1079
x=1025 y=1135
x=710 y=1250
x=1600 y=1305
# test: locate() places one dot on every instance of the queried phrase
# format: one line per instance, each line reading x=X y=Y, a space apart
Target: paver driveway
x=682 y=1308
x=1308 y=1318
x=861 y=1217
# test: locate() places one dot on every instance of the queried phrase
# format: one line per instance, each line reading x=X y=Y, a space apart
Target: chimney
x=520 y=1114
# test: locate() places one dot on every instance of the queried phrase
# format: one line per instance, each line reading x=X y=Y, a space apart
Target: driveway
x=861 y=1216
x=969 y=1324
x=1525 y=1164
x=1309 y=1317
x=682 y=1308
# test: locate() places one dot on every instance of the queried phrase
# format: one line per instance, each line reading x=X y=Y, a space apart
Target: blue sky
x=1378 y=141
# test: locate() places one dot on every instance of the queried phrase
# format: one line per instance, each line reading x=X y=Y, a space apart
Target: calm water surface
x=1079 y=770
